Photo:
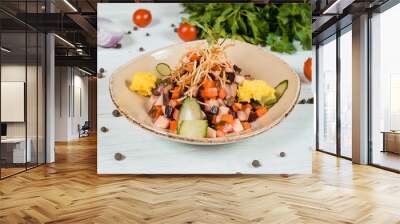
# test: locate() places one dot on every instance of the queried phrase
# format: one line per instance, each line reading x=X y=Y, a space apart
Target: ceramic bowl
x=258 y=62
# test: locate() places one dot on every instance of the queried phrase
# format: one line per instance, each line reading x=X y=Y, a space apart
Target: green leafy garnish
x=276 y=25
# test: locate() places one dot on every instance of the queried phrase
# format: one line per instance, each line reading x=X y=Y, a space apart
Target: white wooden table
x=146 y=153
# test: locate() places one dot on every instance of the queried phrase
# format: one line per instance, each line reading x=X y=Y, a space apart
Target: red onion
x=108 y=34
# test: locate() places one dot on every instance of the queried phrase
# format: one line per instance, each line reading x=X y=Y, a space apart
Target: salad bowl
x=259 y=62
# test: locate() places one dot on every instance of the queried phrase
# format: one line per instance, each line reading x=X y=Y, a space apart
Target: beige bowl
x=253 y=60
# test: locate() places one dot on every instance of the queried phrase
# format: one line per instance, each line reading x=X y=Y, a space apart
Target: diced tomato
x=188 y=67
x=193 y=56
x=222 y=93
x=210 y=92
x=175 y=114
x=216 y=67
x=176 y=92
x=246 y=125
x=261 y=111
x=172 y=125
x=236 y=107
x=228 y=118
x=208 y=83
x=158 y=112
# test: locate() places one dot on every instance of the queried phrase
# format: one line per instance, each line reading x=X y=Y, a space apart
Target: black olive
x=233 y=113
x=168 y=111
x=209 y=118
x=236 y=68
x=230 y=76
x=252 y=116
x=165 y=98
x=214 y=110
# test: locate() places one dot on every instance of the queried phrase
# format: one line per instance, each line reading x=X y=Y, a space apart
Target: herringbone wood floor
x=69 y=191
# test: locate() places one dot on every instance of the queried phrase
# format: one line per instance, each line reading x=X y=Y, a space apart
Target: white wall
x=69 y=85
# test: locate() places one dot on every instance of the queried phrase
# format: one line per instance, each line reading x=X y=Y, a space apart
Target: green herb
x=276 y=25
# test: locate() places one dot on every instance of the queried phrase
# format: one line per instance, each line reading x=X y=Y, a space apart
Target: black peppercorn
x=101 y=70
x=147 y=34
x=175 y=30
x=230 y=76
x=116 y=113
x=117 y=46
x=141 y=49
x=129 y=32
x=172 y=25
x=282 y=154
x=168 y=111
x=135 y=28
x=118 y=156
x=303 y=101
x=103 y=129
x=214 y=110
x=310 y=100
x=256 y=163
x=252 y=116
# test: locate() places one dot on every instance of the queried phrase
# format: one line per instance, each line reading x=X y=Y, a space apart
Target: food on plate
x=308 y=69
x=187 y=32
x=206 y=95
x=254 y=90
x=142 y=17
x=143 y=83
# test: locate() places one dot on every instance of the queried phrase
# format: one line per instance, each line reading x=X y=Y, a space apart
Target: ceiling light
x=338 y=6
x=84 y=71
x=5 y=50
x=70 y=5
x=64 y=40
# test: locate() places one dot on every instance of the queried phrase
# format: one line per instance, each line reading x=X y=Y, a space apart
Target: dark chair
x=84 y=130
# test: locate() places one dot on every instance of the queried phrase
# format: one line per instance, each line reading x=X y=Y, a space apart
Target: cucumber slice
x=280 y=89
x=163 y=69
x=268 y=100
x=193 y=128
x=190 y=110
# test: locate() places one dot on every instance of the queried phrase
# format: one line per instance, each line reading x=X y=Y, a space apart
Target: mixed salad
x=205 y=95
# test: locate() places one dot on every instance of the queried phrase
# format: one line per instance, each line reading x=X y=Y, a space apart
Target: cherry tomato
x=142 y=17
x=308 y=69
x=187 y=32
